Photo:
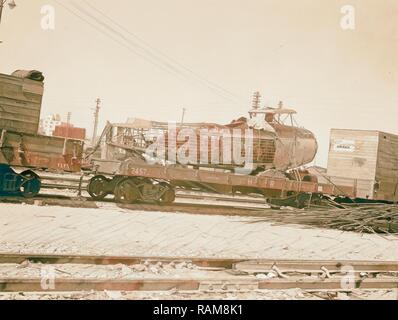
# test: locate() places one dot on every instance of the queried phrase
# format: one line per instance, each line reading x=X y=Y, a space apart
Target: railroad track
x=188 y=208
x=113 y=260
x=222 y=275
x=79 y=184
x=186 y=202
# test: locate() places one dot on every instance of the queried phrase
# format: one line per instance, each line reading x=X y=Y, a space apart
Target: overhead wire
x=135 y=48
x=110 y=36
x=160 y=53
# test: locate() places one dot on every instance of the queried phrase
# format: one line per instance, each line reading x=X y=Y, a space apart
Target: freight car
x=26 y=184
x=131 y=182
x=272 y=145
x=128 y=172
x=21 y=97
x=367 y=160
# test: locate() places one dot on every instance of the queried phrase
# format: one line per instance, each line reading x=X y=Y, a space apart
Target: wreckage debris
x=379 y=219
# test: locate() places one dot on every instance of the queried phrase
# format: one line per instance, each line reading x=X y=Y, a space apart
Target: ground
x=111 y=230
x=114 y=231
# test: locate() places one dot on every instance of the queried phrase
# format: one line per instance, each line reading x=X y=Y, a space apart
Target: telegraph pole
x=1 y=8
x=96 y=118
x=256 y=100
x=68 y=123
x=183 y=116
x=69 y=116
x=11 y=4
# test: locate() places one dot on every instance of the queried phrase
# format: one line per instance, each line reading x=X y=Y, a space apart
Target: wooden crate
x=367 y=160
x=387 y=167
x=20 y=104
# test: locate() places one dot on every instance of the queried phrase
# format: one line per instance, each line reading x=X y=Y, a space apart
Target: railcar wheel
x=97 y=187
x=168 y=197
x=31 y=184
x=126 y=192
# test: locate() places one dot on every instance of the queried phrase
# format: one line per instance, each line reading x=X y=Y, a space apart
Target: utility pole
x=183 y=116
x=1 y=8
x=68 y=123
x=69 y=117
x=255 y=104
x=256 y=100
x=11 y=4
x=96 y=118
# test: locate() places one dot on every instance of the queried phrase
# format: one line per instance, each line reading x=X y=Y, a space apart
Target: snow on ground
x=114 y=231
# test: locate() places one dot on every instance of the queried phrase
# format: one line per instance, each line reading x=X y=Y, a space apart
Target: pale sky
x=209 y=56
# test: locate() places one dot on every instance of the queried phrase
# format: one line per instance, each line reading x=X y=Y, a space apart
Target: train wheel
x=126 y=192
x=31 y=185
x=97 y=187
x=168 y=197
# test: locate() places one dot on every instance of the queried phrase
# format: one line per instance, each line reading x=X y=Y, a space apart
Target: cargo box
x=367 y=160
x=20 y=101
x=40 y=152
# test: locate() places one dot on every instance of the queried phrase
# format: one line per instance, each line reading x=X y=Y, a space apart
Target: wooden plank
x=22 y=110
x=353 y=155
x=20 y=104
x=18 y=118
x=364 y=188
x=387 y=167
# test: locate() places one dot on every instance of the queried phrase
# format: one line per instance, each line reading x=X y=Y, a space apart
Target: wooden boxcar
x=20 y=144
x=20 y=103
x=367 y=160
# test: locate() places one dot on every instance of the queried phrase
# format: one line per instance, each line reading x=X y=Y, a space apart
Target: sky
x=150 y=59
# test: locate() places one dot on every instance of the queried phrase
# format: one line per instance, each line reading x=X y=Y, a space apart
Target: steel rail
x=243 y=264
x=179 y=207
x=18 y=258
x=204 y=285
x=239 y=274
